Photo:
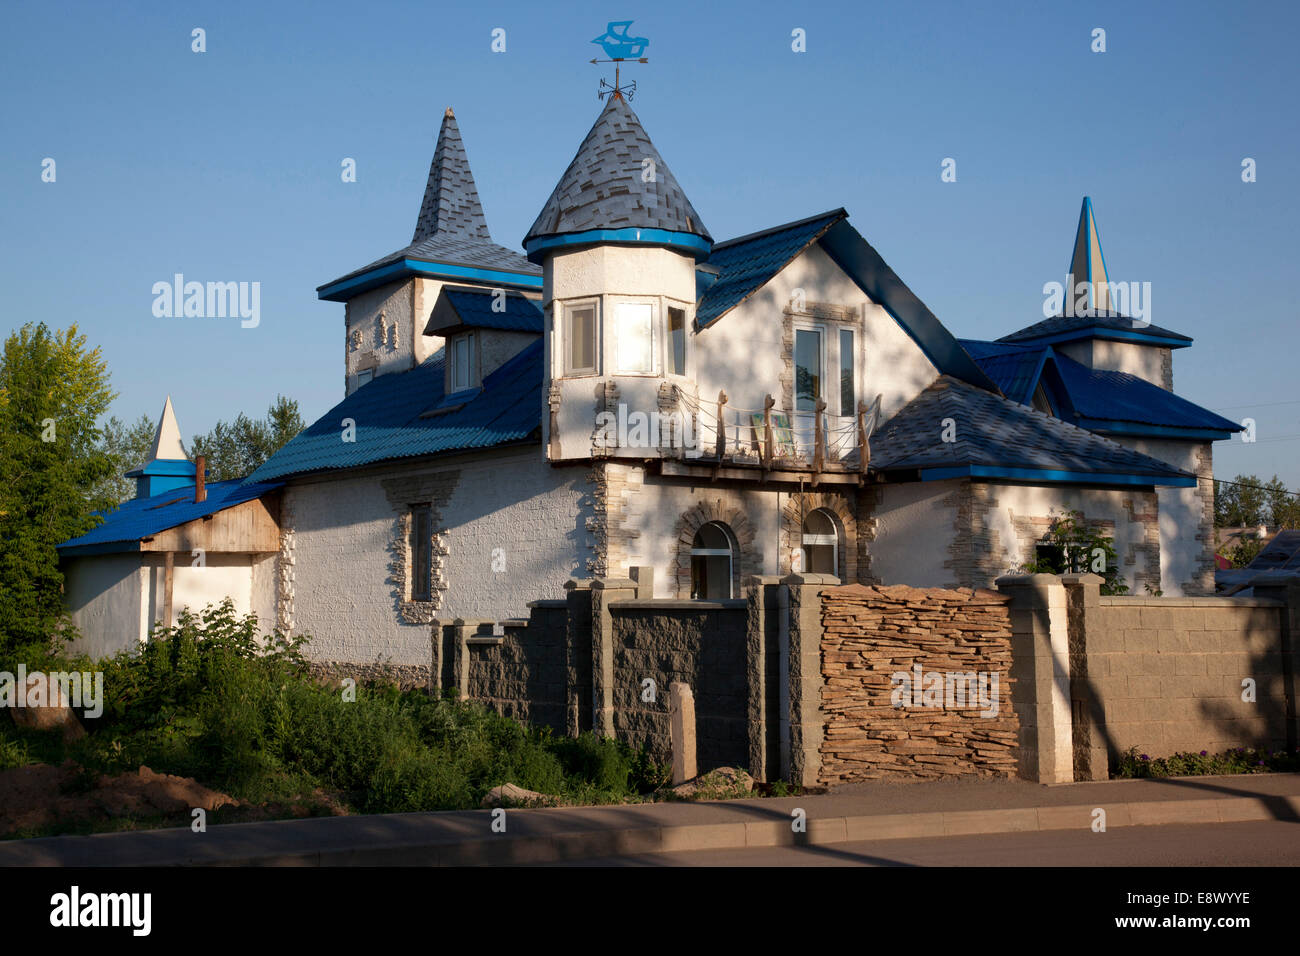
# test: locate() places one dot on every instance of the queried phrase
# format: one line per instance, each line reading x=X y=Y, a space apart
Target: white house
x=630 y=394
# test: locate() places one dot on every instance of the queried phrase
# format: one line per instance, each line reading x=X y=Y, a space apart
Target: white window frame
x=819 y=328
x=832 y=540
x=566 y=351
x=656 y=335
x=471 y=364
x=365 y=376
x=670 y=359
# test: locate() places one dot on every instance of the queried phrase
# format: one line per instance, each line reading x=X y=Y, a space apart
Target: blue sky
x=225 y=165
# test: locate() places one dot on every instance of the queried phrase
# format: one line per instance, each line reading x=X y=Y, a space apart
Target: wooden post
x=819 y=440
x=864 y=453
x=169 y=568
x=681 y=716
x=768 y=402
x=722 y=427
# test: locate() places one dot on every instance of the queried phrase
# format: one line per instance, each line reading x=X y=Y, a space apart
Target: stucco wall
x=913 y=527
x=102 y=593
x=361 y=314
x=744 y=351
x=343 y=583
x=1145 y=361
x=221 y=576
x=1186 y=516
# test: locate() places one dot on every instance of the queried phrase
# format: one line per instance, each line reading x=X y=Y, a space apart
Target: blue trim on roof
x=1110 y=426
x=686 y=241
x=179 y=467
x=1053 y=475
x=1101 y=332
x=335 y=291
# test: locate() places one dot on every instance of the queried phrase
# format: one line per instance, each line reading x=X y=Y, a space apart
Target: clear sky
x=225 y=165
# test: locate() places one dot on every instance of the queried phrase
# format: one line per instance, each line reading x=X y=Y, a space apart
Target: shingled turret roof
x=451 y=232
x=617 y=189
x=451 y=205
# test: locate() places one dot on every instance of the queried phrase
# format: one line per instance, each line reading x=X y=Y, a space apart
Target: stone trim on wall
x=434 y=489
x=1167 y=369
x=284 y=566
x=1203 y=582
x=747 y=560
x=826 y=312
x=843 y=513
x=615 y=489
x=868 y=499
x=1144 y=509
x=974 y=544
x=1032 y=530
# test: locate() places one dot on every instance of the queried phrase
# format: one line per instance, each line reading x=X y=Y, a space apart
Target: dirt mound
x=39 y=795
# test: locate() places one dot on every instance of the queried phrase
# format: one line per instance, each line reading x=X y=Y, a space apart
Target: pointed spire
x=1087 y=263
x=451 y=205
x=167 y=439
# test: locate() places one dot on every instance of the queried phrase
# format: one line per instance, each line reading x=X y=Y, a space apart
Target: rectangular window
x=421 y=553
x=581 y=335
x=677 y=330
x=848 y=397
x=462 y=362
x=364 y=376
x=807 y=369
x=634 y=337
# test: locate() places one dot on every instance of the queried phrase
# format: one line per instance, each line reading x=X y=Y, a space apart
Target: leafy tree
x=128 y=446
x=1073 y=546
x=236 y=449
x=53 y=390
x=1241 y=502
x=1283 y=506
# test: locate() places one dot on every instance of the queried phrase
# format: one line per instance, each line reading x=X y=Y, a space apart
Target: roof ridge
x=748 y=237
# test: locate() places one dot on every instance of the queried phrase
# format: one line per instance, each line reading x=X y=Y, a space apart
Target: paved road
x=1226 y=844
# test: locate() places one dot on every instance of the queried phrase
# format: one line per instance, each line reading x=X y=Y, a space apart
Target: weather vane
x=621 y=49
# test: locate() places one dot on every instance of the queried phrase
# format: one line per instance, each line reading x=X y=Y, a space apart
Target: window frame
x=671 y=341
x=706 y=553
x=567 y=312
x=852 y=333
x=820 y=329
x=470 y=341
x=819 y=540
x=418 y=542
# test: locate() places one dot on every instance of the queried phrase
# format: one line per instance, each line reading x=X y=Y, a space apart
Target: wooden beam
x=250 y=527
x=168 y=574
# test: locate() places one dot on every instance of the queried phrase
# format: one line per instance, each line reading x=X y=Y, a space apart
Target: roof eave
x=353 y=284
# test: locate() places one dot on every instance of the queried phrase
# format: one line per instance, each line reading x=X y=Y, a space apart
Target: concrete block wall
x=521 y=672
x=702 y=644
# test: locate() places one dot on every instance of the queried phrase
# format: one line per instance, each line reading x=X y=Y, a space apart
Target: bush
x=210 y=699
x=1188 y=764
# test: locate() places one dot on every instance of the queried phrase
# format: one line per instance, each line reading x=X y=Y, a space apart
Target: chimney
x=200 y=492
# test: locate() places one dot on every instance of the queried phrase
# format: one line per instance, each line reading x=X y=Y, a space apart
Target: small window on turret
x=580 y=331
x=677 y=332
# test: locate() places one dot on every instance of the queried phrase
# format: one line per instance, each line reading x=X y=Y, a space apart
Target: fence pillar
x=803 y=658
x=577 y=657
x=604 y=592
x=1284 y=587
x=761 y=719
x=1091 y=755
x=1040 y=667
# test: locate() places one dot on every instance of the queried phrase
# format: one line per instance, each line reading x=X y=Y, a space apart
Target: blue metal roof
x=1097 y=399
x=747 y=263
x=1100 y=394
x=138 y=518
x=1100 y=325
x=994 y=437
x=1013 y=368
x=474 y=308
x=390 y=415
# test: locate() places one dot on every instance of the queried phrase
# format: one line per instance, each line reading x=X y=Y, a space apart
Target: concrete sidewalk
x=875 y=811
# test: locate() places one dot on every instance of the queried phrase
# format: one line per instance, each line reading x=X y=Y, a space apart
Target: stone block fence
x=819 y=683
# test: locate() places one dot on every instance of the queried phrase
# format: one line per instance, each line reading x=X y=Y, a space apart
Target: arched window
x=821 y=544
x=711 y=557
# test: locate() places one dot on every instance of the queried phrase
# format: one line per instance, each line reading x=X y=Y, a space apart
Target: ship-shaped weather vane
x=620 y=48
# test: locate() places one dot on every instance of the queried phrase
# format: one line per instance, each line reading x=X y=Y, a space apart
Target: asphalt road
x=1269 y=843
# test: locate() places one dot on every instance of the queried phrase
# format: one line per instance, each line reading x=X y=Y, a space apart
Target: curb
x=636 y=841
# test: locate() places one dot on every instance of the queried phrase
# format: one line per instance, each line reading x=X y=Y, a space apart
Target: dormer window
x=464 y=361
